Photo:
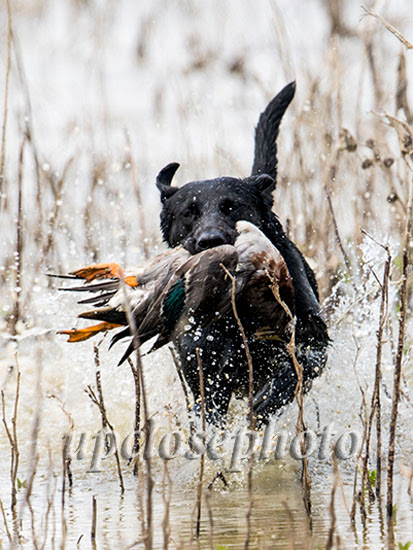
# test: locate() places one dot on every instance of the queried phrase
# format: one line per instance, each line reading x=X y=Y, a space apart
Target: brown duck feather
x=175 y=290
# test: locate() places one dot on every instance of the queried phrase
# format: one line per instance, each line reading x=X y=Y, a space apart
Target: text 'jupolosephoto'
x=232 y=447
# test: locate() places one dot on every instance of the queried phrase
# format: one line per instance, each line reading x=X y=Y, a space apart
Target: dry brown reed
x=299 y=396
x=98 y=400
x=137 y=426
x=400 y=344
x=148 y=535
x=179 y=372
x=11 y=432
x=353 y=163
x=148 y=478
x=202 y=458
x=332 y=180
x=375 y=408
x=389 y=27
x=15 y=317
x=138 y=195
x=401 y=93
x=5 y=103
x=252 y=415
x=220 y=476
x=6 y=523
x=166 y=497
x=57 y=187
x=301 y=427
x=66 y=469
x=333 y=540
x=359 y=454
x=34 y=451
x=94 y=519
x=29 y=133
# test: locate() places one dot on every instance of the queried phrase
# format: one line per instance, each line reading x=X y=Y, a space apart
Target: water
x=278 y=518
x=277 y=514
x=166 y=74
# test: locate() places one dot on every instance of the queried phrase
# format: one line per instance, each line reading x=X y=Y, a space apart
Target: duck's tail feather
x=128 y=352
x=106 y=314
x=118 y=336
x=100 y=300
x=112 y=285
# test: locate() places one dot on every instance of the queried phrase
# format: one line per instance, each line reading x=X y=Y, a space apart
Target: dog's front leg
x=216 y=355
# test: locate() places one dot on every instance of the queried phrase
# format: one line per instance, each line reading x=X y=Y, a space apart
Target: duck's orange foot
x=104 y=271
x=99 y=271
x=81 y=334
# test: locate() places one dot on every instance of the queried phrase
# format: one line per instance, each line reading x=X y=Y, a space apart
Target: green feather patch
x=174 y=303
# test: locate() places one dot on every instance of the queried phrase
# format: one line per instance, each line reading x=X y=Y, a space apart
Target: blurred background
x=96 y=96
x=105 y=93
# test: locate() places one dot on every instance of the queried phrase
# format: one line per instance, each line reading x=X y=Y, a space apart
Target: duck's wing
x=198 y=292
x=201 y=293
x=104 y=283
x=176 y=291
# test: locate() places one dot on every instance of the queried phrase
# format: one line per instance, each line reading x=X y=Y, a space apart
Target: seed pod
x=367 y=163
x=393 y=197
x=371 y=144
x=388 y=162
x=348 y=142
x=404 y=133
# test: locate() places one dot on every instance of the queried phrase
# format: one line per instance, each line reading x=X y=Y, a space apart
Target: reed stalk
x=98 y=400
x=94 y=519
x=375 y=408
x=137 y=425
x=11 y=432
x=400 y=350
x=5 y=104
x=148 y=534
x=299 y=396
x=202 y=459
x=252 y=415
x=19 y=244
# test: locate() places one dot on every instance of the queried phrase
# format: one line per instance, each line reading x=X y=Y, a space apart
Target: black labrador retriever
x=202 y=215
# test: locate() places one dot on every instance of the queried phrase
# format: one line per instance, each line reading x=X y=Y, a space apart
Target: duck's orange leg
x=104 y=271
x=81 y=334
x=99 y=271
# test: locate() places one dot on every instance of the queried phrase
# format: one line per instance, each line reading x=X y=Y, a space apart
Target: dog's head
x=203 y=214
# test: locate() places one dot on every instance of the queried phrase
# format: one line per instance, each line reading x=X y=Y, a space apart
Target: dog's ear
x=163 y=181
x=263 y=183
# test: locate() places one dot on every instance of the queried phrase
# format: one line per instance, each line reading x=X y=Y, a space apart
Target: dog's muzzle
x=211 y=238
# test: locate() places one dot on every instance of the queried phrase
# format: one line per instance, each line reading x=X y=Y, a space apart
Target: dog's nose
x=210 y=238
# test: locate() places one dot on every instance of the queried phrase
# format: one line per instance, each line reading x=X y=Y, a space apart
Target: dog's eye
x=192 y=211
x=227 y=206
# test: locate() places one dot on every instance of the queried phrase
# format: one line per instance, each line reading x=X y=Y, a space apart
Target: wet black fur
x=203 y=214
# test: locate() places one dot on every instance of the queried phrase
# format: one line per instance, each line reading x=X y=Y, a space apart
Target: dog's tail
x=266 y=132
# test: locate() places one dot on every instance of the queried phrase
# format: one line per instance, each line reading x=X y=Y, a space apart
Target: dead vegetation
x=346 y=173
